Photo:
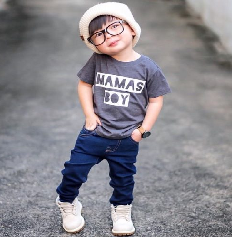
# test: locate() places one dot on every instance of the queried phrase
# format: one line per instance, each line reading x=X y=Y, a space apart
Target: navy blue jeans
x=91 y=149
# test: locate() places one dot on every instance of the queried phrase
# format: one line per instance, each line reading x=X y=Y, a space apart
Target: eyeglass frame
x=105 y=30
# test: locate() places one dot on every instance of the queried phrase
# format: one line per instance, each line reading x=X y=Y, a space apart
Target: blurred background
x=217 y=15
x=184 y=170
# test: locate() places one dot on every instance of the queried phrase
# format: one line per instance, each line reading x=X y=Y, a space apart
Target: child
x=121 y=93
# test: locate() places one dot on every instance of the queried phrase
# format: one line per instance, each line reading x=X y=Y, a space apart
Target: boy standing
x=121 y=94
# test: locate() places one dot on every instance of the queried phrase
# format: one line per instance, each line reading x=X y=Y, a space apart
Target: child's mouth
x=113 y=43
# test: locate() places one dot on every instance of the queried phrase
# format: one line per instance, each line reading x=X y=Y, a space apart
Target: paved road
x=183 y=184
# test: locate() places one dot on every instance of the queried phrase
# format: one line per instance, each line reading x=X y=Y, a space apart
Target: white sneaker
x=122 y=223
x=73 y=222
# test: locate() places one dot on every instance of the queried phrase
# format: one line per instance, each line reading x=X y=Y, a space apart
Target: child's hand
x=92 y=121
x=136 y=135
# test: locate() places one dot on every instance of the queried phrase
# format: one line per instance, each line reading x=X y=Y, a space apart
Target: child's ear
x=133 y=33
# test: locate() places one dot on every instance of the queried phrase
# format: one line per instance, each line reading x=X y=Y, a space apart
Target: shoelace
x=122 y=212
x=67 y=208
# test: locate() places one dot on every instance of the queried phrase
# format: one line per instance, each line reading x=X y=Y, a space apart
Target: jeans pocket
x=132 y=140
x=85 y=132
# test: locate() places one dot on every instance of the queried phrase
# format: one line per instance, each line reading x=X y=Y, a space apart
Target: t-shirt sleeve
x=157 y=85
x=87 y=73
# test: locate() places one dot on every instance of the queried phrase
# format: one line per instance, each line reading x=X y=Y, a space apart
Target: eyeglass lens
x=99 y=37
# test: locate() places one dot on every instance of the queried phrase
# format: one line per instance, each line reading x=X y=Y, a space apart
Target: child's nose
x=108 y=35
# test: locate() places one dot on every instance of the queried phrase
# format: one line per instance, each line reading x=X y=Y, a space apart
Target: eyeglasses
x=99 y=37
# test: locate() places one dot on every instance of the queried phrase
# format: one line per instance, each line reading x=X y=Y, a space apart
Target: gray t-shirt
x=122 y=91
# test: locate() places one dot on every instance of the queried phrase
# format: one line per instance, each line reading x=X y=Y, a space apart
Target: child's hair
x=99 y=21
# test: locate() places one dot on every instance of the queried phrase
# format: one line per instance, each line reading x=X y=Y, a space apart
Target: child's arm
x=153 y=110
x=86 y=99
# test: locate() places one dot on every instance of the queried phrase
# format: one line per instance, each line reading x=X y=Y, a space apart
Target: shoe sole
x=123 y=234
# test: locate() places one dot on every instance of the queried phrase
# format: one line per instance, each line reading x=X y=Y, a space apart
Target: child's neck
x=127 y=57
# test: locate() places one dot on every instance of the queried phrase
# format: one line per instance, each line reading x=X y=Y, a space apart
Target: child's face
x=116 y=44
